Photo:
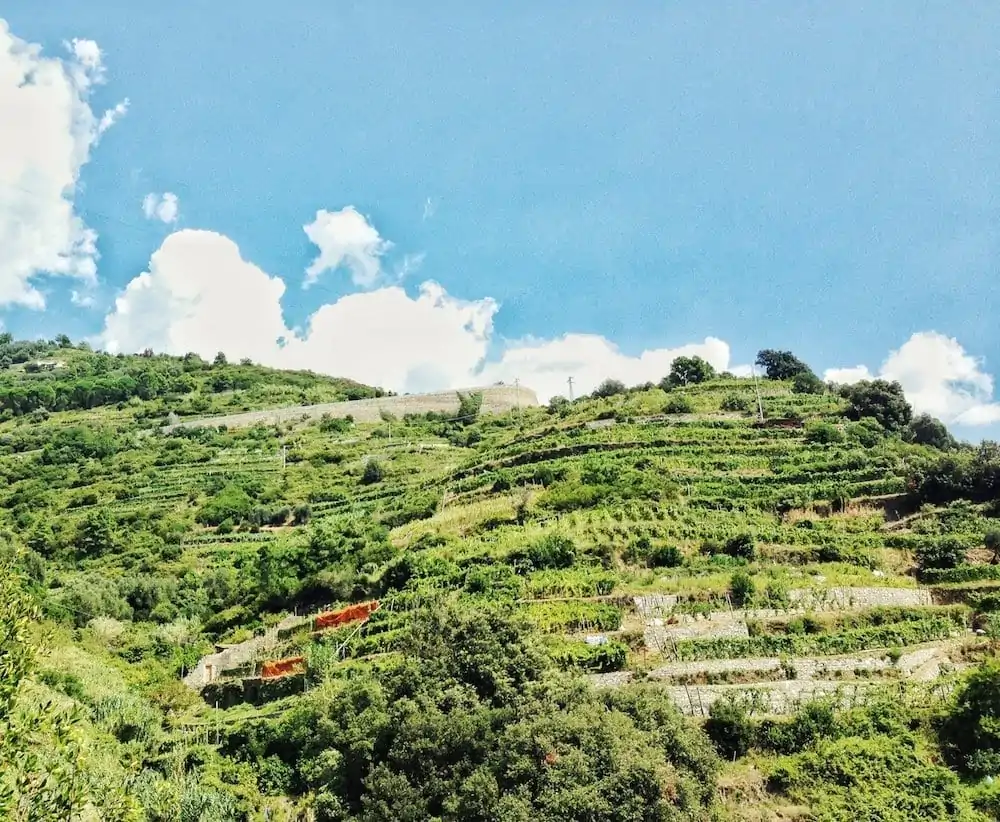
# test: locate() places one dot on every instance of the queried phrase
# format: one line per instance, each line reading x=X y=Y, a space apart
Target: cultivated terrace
x=712 y=598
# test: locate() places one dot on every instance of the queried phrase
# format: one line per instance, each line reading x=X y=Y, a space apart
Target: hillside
x=646 y=604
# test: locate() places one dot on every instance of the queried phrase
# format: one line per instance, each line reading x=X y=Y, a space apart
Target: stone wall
x=497 y=399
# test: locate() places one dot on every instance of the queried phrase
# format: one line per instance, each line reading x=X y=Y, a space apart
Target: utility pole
x=517 y=395
x=760 y=404
x=569 y=381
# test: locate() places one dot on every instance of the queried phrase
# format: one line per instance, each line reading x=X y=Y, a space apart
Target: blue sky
x=813 y=176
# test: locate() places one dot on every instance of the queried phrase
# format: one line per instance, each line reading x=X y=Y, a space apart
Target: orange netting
x=283 y=667
x=351 y=613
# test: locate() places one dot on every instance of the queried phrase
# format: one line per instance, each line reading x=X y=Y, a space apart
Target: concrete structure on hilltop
x=497 y=399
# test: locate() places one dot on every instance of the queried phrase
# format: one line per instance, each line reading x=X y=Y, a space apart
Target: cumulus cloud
x=163 y=207
x=48 y=134
x=939 y=377
x=545 y=365
x=346 y=238
x=848 y=376
x=199 y=294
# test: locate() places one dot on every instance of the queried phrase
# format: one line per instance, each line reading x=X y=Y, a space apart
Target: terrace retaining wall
x=497 y=399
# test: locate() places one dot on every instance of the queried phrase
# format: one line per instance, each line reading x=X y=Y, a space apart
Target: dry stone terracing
x=662 y=627
x=211 y=666
x=497 y=399
x=813 y=677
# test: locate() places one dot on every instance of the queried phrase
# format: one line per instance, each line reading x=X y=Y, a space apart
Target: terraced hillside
x=649 y=604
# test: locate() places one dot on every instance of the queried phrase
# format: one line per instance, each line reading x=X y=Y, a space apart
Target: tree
x=97 y=534
x=609 y=388
x=807 y=383
x=559 y=406
x=469 y=406
x=881 y=400
x=63 y=341
x=926 y=430
x=781 y=365
x=687 y=371
x=220 y=359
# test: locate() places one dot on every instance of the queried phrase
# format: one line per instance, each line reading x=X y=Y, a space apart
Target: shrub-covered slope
x=645 y=604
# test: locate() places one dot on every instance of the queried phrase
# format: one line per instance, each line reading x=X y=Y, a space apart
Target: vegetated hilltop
x=646 y=604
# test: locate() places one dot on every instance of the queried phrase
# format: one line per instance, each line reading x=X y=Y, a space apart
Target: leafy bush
x=609 y=388
x=823 y=433
x=678 y=404
x=736 y=402
x=730 y=728
x=373 y=472
x=741 y=546
x=807 y=383
x=741 y=589
x=945 y=552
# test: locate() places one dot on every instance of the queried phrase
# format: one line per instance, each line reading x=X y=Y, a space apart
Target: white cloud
x=429 y=208
x=48 y=133
x=345 y=237
x=81 y=299
x=112 y=116
x=200 y=295
x=939 y=377
x=88 y=54
x=410 y=265
x=847 y=376
x=545 y=365
x=163 y=207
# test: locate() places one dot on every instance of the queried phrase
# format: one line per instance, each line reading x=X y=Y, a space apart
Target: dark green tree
x=97 y=534
x=609 y=388
x=687 y=371
x=780 y=365
x=881 y=400
x=926 y=430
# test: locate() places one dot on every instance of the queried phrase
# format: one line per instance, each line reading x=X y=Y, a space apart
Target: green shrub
x=942 y=553
x=730 y=728
x=823 y=433
x=373 y=472
x=678 y=404
x=736 y=402
x=741 y=589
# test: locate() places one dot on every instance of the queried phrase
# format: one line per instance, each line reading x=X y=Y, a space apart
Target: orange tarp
x=351 y=613
x=283 y=667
